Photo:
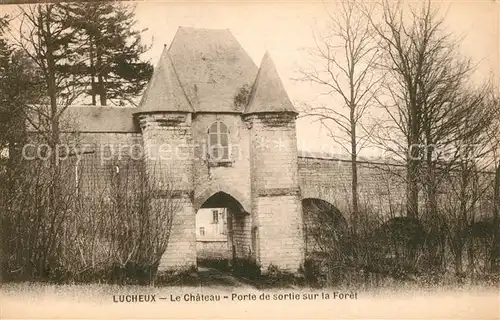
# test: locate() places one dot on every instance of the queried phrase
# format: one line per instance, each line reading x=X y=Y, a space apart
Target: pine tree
x=112 y=49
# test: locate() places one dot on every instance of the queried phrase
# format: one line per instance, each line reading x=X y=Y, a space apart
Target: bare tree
x=28 y=210
x=423 y=99
x=51 y=228
x=122 y=224
x=45 y=37
x=32 y=225
x=495 y=252
x=39 y=201
x=494 y=138
x=467 y=175
x=347 y=55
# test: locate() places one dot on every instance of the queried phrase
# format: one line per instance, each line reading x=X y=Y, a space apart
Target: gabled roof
x=164 y=91
x=100 y=119
x=212 y=68
x=268 y=93
x=89 y=119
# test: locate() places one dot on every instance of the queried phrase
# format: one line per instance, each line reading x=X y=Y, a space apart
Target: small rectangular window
x=202 y=231
x=215 y=216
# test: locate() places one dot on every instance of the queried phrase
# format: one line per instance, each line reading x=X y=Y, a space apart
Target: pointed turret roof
x=268 y=93
x=164 y=91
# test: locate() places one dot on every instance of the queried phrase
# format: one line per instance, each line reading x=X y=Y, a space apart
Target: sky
x=286 y=28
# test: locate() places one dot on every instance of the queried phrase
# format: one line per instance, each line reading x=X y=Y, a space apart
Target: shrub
x=277 y=278
x=246 y=269
x=220 y=264
x=186 y=277
x=314 y=273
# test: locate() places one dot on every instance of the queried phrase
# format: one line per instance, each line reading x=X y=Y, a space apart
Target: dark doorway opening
x=324 y=225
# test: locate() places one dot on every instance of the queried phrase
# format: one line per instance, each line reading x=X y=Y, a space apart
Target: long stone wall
x=381 y=186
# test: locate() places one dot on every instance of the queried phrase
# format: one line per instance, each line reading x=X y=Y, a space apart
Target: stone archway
x=322 y=222
x=207 y=190
x=223 y=230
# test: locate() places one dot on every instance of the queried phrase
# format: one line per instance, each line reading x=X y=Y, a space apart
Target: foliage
x=108 y=226
x=51 y=230
x=442 y=127
x=187 y=277
x=111 y=49
x=241 y=98
x=346 y=70
x=220 y=264
x=246 y=268
x=20 y=84
x=398 y=250
x=275 y=277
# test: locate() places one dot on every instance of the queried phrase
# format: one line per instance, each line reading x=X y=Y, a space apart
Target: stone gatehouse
x=221 y=130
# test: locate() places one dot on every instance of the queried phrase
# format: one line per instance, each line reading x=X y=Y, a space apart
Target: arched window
x=218 y=148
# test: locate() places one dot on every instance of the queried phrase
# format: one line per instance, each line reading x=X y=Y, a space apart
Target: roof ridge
x=179 y=82
x=212 y=67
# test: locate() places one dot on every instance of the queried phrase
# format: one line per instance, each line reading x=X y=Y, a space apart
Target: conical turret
x=268 y=94
x=164 y=92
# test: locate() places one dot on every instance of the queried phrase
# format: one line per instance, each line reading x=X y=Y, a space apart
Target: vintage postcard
x=249 y=159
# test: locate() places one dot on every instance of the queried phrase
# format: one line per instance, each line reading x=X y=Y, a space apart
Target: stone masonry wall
x=276 y=204
x=381 y=186
x=181 y=249
x=167 y=140
x=98 y=156
x=242 y=228
x=280 y=235
x=265 y=176
x=213 y=250
x=232 y=177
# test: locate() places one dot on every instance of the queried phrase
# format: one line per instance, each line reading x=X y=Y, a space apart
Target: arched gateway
x=230 y=129
x=213 y=131
x=239 y=124
x=224 y=229
x=220 y=132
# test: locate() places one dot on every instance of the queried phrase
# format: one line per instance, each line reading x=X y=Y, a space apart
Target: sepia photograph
x=250 y=160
